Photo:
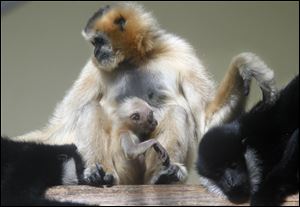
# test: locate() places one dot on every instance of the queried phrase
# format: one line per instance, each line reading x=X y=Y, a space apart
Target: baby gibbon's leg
x=175 y=136
x=133 y=150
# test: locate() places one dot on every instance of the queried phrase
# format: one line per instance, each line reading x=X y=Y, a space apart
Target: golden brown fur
x=136 y=42
x=231 y=80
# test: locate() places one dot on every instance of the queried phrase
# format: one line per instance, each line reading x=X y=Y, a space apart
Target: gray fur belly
x=143 y=84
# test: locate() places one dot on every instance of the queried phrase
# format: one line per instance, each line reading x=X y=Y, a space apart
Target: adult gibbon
x=133 y=56
x=255 y=156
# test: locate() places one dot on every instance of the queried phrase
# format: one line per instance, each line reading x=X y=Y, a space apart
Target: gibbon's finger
x=100 y=170
x=108 y=180
x=164 y=156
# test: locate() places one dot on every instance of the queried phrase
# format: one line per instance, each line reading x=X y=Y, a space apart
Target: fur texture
x=257 y=154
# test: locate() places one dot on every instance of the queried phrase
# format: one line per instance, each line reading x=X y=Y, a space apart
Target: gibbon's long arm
x=133 y=150
x=232 y=92
x=277 y=178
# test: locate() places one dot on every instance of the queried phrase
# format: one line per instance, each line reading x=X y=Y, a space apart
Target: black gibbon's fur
x=28 y=169
x=257 y=154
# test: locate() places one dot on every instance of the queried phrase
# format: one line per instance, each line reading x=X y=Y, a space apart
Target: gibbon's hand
x=95 y=176
x=172 y=174
x=251 y=66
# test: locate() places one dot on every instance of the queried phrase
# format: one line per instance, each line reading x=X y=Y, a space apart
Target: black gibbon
x=28 y=169
x=255 y=156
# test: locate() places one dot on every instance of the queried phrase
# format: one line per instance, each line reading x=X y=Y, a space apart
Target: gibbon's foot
x=96 y=176
x=163 y=154
x=109 y=180
x=172 y=174
x=251 y=66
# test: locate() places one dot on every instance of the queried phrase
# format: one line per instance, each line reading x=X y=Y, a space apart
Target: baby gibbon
x=133 y=122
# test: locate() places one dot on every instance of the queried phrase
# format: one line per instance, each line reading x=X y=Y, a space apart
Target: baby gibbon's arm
x=133 y=150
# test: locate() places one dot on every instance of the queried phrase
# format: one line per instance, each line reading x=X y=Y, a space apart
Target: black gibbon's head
x=221 y=161
x=137 y=116
x=126 y=27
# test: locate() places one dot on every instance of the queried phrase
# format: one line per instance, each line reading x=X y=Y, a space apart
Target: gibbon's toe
x=94 y=175
x=174 y=173
x=109 y=180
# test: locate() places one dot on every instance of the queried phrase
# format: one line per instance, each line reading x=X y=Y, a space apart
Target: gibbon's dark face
x=221 y=160
x=142 y=123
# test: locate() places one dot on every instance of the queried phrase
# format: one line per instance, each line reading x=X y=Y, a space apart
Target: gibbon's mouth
x=152 y=127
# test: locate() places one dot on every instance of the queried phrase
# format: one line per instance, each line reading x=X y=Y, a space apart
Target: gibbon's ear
x=88 y=33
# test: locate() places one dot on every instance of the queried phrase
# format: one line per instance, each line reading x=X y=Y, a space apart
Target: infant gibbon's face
x=221 y=160
x=138 y=116
x=142 y=122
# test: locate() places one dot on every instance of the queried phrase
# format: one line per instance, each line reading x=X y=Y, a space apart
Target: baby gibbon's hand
x=164 y=156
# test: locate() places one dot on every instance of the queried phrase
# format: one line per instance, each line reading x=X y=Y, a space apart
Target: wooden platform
x=143 y=195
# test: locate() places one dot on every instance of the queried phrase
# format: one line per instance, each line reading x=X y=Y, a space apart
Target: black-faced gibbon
x=28 y=169
x=134 y=57
x=255 y=156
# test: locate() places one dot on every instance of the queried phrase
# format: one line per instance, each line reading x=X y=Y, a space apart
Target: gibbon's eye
x=121 y=22
x=99 y=41
x=135 y=116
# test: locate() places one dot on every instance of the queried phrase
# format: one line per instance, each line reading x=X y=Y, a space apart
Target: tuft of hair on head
x=131 y=30
x=129 y=105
